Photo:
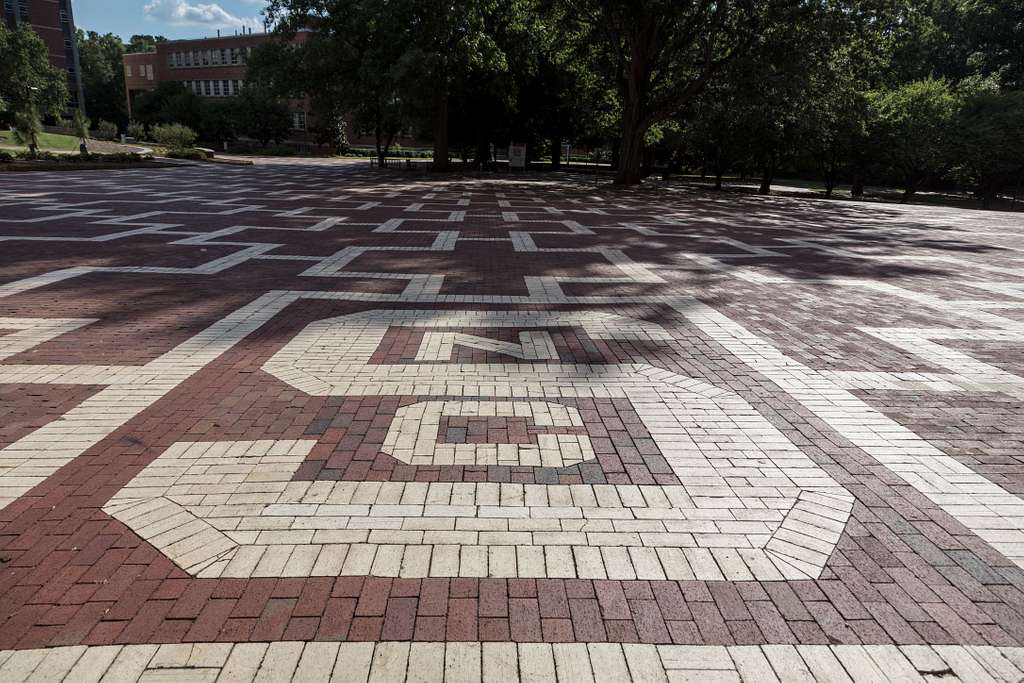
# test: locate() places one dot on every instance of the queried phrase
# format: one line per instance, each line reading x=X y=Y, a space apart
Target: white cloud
x=182 y=13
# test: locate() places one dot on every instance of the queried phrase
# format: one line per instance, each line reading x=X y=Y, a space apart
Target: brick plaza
x=304 y=420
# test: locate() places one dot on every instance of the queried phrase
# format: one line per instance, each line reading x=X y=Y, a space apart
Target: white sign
x=517 y=156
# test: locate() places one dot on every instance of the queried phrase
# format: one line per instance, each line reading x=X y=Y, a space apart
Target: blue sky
x=171 y=18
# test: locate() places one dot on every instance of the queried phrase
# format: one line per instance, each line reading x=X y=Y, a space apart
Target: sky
x=170 y=18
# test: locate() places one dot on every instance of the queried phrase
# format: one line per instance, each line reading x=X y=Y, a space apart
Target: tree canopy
x=27 y=79
x=893 y=91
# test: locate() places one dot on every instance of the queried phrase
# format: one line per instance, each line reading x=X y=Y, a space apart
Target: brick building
x=209 y=67
x=54 y=21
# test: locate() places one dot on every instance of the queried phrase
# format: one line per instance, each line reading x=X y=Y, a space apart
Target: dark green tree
x=169 y=102
x=349 y=66
x=262 y=116
x=103 y=76
x=144 y=43
x=29 y=84
x=912 y=130
x=659 y=55
x=989 y=142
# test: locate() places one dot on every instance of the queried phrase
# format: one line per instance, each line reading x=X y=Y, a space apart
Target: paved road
x=503 y=428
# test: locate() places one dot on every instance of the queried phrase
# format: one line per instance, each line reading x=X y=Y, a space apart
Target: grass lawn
x=49 y=141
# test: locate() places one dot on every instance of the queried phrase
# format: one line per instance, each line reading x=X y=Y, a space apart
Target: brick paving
x=304 y=403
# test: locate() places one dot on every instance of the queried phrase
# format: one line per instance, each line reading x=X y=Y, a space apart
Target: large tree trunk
x=631 y=148
x=556 y=153
x=909 y=189
x=441 y=132
x=857 y=188
x=767 y=176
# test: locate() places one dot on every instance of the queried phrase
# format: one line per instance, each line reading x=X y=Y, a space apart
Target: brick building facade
x=209 y=67
x=54 y=21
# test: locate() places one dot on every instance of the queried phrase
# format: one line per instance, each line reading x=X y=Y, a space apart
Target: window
x=63 y=16
x=234 y=55
x=149 y=72
x=128 y=70
x=23 y=11
x=225 y=87
x=238 y=87
x=299 y=120
x=206 y=57
x=207 y=90
x=216 y=88
x=223 y=56
x=172 y=60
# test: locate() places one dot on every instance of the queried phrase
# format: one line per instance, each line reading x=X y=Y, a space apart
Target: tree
x=219 y=119
x=80 y=125
x=262 y=116
x=911 y=129
x=661 y=54
x=990 y=141
x=144 y=43
x=349 y=67
x=28 y=128
x=714 y=132
x=29 y=84
x=103 y=76
x=169 y=102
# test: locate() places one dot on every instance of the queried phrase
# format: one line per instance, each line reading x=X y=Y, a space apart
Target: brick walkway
x=656 y=433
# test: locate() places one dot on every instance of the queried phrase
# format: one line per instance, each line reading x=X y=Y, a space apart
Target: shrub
x=106 y=130
x=6 y=157
x=173 y=136
x=39 y=156
x=137 y=131
x=28 y=128
x=124 y=157
x=279 y=151
x=187 y=153
x=80 y=125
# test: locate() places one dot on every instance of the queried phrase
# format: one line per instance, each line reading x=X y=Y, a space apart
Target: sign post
x=517 y=157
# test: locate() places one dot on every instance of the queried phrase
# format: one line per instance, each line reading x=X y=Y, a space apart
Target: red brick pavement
x=904 y=570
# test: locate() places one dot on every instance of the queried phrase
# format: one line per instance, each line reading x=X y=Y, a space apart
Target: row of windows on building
x=215 y=88
x=22 y=10
x=214 y=57
x=23 y=14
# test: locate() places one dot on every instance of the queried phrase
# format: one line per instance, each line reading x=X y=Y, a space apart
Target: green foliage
x=219 y=119
x=28 y=128
x=136 y=130
x=106 y=130
x=80 y=125
x=173 y=136
x=27 y=79
x=143 y=43
x=912 y=129
x=6 y=157
x=169 y=102
x=262 y=116
x=989 y=142
x=187 y=153
x=103 y=76
x=29 y=155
